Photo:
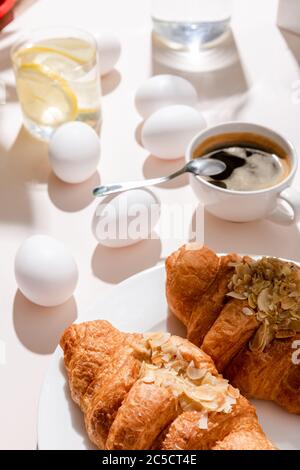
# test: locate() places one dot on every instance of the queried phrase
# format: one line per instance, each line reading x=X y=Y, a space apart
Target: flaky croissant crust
x=196 y=288
x=154 y=392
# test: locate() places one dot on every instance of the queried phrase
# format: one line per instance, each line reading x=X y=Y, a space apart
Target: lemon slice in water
x=77 y=50
x=45 y=96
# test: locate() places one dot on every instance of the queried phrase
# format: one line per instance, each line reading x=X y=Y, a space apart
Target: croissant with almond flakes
x=154 y=391
x=245 y=314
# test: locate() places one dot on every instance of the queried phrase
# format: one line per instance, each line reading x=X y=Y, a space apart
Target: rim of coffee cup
x=244 y=126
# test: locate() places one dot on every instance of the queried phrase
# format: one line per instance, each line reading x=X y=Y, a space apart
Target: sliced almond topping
x=237 y=296
x=233 y=392
x=149 y=379
x=178 y=365
x=263 y=300
x=229 y=402
x=166 y=357
x=248 y=311
x=203 y=421
x=272 y=289
x=157 y=339
x=169 y=348
x=195 y=374
x=195 y=388
x=202 y=393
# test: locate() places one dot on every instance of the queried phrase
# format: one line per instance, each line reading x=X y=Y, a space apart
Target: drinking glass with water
x=191 y=22
x=57 y=79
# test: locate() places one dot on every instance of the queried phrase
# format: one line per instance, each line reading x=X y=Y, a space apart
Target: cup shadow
x=72 y=197
x=260 y=237
x=113 y=265
x=39 y=328
x=154 y=167
x=293 y=42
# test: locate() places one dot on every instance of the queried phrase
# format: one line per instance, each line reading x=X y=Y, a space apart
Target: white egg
x=74 y=152
x=164 y=90
x=46 y=272
x=167 y=133
x=109 y=49
x=124 y=219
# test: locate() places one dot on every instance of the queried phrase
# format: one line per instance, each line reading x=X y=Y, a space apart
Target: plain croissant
x=154 y=391
x=197 y=291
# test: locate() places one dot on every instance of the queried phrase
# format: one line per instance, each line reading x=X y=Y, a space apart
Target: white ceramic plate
x=137 y=304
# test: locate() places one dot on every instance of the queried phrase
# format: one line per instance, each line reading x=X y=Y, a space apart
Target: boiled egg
x=74 y=152
x=45 y=271
x=167 y=133
x=126 y=218
x=164 y=90
x=109 y=50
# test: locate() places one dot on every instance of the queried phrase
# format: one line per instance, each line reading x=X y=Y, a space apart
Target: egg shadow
x=113 y=265
x=110 y=81
x=39 y=328
x=72 y=197
x=138 y=133
x=155 y=167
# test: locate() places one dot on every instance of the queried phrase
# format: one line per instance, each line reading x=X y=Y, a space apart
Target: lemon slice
x=45 y=97
x=60 y=62
x=78 y=51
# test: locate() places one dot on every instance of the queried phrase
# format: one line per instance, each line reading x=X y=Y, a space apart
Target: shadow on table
x=9 y=38
x=216 y=73
x=72 y=197
x=293 y=42
x=110 y=82
x=23 y=165
x=138 y=133
x=113 y=265
x=39 y=328
x=260 y=237
x=171 y=324
x=155 y=167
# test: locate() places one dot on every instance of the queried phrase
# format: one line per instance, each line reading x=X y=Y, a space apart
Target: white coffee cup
x=280 y=203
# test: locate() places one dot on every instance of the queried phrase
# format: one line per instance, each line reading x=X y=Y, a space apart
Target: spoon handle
x=105 y=190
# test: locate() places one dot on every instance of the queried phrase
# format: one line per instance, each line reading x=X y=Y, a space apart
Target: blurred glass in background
x=195 y=23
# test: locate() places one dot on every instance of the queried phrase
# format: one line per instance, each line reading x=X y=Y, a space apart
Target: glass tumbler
x=57 y=79
x=191 y=22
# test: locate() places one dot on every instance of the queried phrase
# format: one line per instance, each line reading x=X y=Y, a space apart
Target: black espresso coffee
x=264 y=166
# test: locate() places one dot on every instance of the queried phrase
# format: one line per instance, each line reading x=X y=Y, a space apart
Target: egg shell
x=109 y=50
x=164 y=90
x=167 y=133
x=45 y=271
x=117 y=217
x=74 y=152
